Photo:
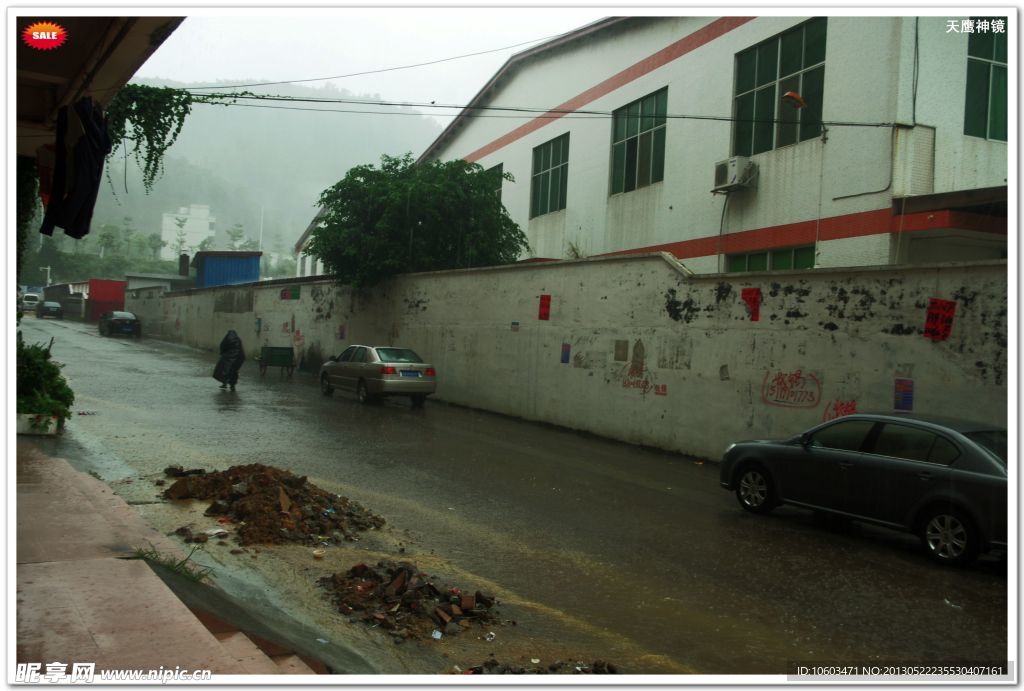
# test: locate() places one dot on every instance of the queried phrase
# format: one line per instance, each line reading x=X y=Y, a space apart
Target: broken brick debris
x=399 y=598
x=273 y=506
x=179 y=471
x=493 y=666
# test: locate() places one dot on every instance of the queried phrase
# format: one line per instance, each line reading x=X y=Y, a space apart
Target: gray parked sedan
x=942 y=479
x=373 y=372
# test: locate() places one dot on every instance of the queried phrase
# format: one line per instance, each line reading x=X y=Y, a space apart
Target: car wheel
x=101 y=329
x=361 y=393
x=754 y=489
x=949 y=536
x=418 y=399
x=325 y=386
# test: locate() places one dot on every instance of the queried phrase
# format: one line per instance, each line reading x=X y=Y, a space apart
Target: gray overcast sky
x=270 y=45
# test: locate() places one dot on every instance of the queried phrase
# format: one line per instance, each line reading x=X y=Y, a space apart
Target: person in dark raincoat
x=232 y=355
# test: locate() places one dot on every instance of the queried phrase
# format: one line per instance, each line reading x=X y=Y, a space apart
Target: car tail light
x=388 y=370
x=430 y=372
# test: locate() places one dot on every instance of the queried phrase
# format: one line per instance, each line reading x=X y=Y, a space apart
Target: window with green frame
x=638 y=142
x=772 y=260
x=792 y=61
x=985 y=113
x=550 y=176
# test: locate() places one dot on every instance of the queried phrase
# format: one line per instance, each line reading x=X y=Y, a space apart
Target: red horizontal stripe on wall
x=649 y=64
x=834 y=228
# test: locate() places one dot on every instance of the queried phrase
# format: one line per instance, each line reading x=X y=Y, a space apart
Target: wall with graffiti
x=635 y=349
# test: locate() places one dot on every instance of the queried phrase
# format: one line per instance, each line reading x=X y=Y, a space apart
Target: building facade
x=185 y=230
x=753 y=143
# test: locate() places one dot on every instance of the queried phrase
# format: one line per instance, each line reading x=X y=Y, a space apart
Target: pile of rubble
x=492 y=666
x=273 y=506
x=403 y=601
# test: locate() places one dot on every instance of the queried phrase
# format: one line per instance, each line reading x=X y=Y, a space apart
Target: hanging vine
x=147 y=120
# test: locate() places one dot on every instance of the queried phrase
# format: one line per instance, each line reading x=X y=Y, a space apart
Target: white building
x=194 y=223
x=635 y=120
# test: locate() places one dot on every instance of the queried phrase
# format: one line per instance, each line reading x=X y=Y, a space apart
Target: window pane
x=661 y=107
x=943 y=452
x=535 y=197
x=997 y=105
x=736 y=262
x=1000 y=47
x=556 y=152
x=620 y=126
x=647 y=113
x=563 y=186
x=545 y=157
x=556 y=191
x=764 y=114
x=791 y=52
x=899 y=441
x=618 y=167
x=630 y=165
x=643 y=163
x=814 y=41
x=782 y=260
x=633 y=123
x=746 y=63
x=536 y=160
x=976 y=108
x=813 y=92
x=757 y=261
x=768 y=62
x=789 y=116
x=981 y=44
x=744 y=142
x=845 y=436
x=658 y=156
x=803 y=257
x=545 y=188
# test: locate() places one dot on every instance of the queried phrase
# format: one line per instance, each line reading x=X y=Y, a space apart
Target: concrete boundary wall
x=636 y=349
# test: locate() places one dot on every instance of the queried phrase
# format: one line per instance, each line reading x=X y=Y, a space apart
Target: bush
x=42 y=389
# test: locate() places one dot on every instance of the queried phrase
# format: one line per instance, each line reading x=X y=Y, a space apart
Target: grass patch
x=183 y=567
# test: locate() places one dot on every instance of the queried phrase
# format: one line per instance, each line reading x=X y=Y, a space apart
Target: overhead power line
x=377 y=71
x=475 y=110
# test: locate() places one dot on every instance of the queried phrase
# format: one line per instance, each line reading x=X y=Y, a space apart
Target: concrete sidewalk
x=80 y=600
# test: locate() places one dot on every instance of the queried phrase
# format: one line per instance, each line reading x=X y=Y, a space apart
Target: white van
x=29 y=301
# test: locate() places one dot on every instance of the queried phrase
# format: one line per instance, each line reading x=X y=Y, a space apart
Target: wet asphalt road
x=639 y=543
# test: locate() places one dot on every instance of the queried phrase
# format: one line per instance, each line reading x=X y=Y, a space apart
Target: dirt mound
x=403 y=601
x=273 y=506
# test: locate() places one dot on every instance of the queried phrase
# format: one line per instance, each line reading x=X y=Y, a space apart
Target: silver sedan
x=373 y=372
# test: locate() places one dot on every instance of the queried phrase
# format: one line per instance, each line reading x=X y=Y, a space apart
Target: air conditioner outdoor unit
x=733 y=173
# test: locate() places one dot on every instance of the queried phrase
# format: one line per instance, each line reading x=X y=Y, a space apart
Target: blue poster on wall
x=566 y=349
x=904 y=399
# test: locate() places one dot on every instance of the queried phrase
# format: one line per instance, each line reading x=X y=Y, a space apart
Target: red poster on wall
x=752 y=296
x=544 y=314
x=939 y=322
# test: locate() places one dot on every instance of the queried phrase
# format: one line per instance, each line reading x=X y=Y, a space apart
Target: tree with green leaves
x=405 y=217
x=235 y=235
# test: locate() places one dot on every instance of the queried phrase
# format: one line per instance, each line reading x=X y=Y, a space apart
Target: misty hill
x=239 y=159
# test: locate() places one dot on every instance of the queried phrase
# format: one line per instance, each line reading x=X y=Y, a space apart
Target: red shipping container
x=105 y=296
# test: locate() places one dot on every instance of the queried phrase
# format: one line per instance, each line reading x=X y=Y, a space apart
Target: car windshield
x=51 y=304
x=397 y=355
x=122 y=315
x=992 y=439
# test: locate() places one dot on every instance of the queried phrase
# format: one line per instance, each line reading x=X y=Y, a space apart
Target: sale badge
x=44 y=35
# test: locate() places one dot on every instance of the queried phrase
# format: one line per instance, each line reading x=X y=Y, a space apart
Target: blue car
x=942 y=479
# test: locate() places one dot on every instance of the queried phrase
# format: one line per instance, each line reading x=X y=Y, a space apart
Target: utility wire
x=379 y=71
x=526 y=111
